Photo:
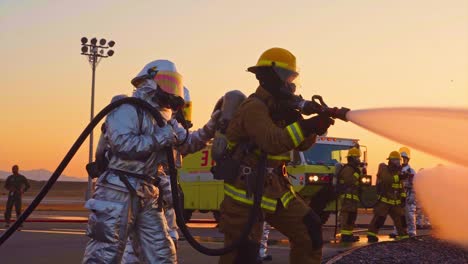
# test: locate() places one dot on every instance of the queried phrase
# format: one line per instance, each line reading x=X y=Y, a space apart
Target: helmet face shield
x=285 y=75
x=289 y=78
x=170 y=82
x=168 y=100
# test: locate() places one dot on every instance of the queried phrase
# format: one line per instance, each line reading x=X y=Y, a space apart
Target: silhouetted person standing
x=16 y=185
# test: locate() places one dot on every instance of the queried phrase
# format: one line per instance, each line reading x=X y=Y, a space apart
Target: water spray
x=443 y=190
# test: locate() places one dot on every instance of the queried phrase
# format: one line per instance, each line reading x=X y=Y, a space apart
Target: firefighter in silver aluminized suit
x=129 y=256
x=410 y=207
x=125 y=202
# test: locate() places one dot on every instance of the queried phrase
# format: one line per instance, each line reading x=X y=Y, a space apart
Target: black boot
x=349 y=238
x=372 y=239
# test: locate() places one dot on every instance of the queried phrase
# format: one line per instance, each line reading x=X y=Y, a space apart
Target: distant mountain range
x=41 y=175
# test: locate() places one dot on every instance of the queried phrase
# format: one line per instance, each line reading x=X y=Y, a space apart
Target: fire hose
x=253 y=214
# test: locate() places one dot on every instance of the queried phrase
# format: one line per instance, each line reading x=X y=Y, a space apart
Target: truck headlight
x=366 y=180
x=314 y=178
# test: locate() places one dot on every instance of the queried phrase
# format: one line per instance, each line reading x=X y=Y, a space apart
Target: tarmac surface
x=58 y=237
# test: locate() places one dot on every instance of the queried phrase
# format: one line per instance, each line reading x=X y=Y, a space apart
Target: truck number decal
x=206 y=158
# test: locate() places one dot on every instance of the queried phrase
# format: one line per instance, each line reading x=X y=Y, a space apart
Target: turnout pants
x=297 y=222
x=348 y=215
x=116 y=215
x=14 y=198
x=130 y=256
x=396 y=212
x=410 y=213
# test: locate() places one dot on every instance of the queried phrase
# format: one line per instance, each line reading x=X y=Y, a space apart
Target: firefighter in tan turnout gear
x=261 y=125
x=391 y=198
x=349 y=179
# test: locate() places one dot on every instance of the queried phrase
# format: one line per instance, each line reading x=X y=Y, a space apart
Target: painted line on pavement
x=50 y=232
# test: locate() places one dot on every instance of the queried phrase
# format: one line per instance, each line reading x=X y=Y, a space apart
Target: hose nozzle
x=336 y=112
x=318 y=106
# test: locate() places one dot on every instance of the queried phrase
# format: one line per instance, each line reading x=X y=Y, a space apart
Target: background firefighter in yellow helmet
x=391 y=198
x=261 y=124
x=349 y=180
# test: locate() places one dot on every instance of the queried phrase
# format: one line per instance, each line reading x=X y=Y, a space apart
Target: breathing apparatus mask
x=166 y=100
x=394 y=164
x=277 y=81
x=354 y=161
x=169 y=91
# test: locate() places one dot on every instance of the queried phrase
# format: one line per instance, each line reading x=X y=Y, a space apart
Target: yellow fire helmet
x=354 y=152
x=282 y=61
x=405 y=152
x=276 y=57
x=394 y=155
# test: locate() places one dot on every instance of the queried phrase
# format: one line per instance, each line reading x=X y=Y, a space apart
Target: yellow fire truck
x=312 y=175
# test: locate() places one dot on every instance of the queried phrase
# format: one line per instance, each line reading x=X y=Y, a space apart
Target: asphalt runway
x=59 y=237
x=51 y=243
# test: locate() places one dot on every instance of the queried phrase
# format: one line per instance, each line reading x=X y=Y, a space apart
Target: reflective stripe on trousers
x=266 y=203
x=350 y=196
x=346 y=232
x=388 y=201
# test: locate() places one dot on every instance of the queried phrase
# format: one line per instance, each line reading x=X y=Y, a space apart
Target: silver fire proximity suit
x=164 y=187
x=136 y=144
x=264 y=241
x=410 y=207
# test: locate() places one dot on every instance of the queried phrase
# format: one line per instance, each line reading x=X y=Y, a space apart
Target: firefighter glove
x=316 y=125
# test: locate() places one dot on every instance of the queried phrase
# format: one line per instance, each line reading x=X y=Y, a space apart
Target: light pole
x=95 y=52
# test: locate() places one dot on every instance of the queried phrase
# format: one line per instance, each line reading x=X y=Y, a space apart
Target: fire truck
x=312 y=174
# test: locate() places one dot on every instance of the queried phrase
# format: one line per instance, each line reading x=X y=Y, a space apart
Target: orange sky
x=358 y=54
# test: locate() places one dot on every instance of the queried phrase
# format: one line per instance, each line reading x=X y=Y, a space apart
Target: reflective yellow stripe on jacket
x=285 y=157
x=287 y=198
x=295 y=132
x=350 y=196
x=357 y=176
x=241 y=196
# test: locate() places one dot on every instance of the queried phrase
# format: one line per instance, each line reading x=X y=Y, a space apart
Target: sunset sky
x=359 y=54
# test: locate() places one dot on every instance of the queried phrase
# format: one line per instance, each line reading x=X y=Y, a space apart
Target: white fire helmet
x=164 y=73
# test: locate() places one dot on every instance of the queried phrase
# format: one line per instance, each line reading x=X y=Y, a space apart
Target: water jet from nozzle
x=439 y=132
x=442 y=191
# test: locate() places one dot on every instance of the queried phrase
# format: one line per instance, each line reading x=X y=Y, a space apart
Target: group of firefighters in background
x=127 y=215
x=395 y=197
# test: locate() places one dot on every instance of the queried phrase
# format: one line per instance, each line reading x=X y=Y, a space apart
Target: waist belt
x=123 y=177
x=280 y=170
x=146 y=178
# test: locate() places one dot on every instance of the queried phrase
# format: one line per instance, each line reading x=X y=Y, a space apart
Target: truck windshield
x=324 y=154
